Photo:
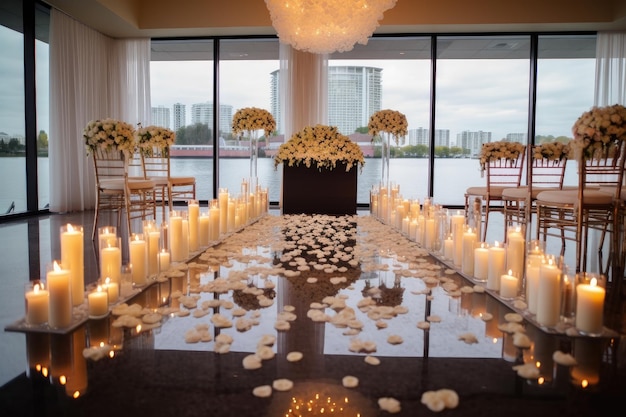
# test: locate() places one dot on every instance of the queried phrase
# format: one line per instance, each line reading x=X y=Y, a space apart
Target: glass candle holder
x=112 y=288
x=126 y=281
x=111 y=259
x=138 y=250
x=72 y=258
x=60 y=296
x=98 y=303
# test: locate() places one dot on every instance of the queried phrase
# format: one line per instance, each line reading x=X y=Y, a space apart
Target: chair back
x=156 y=163
x=109 y=165
x=604 y=170
x=548 y=173
x=505 y=172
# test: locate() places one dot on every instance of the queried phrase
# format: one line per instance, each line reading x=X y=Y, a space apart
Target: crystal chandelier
x=326 y=26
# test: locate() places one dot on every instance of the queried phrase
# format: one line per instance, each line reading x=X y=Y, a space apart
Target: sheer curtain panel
x=92 y=76
x=610 y=69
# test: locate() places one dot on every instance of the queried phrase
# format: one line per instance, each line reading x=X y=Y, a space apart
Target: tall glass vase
x=386 y=154
x=254 y=152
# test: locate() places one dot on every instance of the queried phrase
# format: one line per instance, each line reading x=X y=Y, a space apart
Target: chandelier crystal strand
x=326 y=26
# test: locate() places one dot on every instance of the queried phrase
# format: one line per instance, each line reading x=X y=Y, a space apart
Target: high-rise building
x=161 y=116
x=516 y=137
x=203 y=113
x=180 y=115
x=354 y=94
x=421 y=136
x=472 y=141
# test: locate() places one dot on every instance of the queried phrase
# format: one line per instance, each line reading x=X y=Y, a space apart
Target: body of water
x=452 y=177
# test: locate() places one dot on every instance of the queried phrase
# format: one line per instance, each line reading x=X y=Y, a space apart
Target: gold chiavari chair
x=503 y=170
x=118 y=192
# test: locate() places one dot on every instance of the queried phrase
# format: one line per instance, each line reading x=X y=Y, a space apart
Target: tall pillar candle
x=590 y=307
x=72 y=259
x=176 y=235
x=138 y=254
x=152 y=235
x=232 y=208
x=448 y=248
x=532 y=285
x=106 y=234
x=194 y=212
x=111 y=260
x=214 y=221
x=429 y=234
x=496 y=266
x=185 y=238
x=549 y=294
x=60 y=296
x=469 y=241
x=457 y=222
x=223 y=205
x=164 y=260
x=203 y=229
x=516 y=248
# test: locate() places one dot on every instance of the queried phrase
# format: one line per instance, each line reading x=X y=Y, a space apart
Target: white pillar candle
x=107 y=236
x=532 y=286
x=590 y=307
x=203 y=229
x=496 y=266
x=223 y=205
x=251 y=205
x=98 y=303
x=457 y=222
x=184 y=240
x=481 y=262
x=138 y=260
x=36 y=304
x=60 y=297
x=429 y=234
x=176 y=236
x=413 y=229
x=164 y=260
x=516 y=248
x=421 y=226
x=214 y=223
x=469 y=241
x=549 y=294
x=194 y=212
x=72 y=259
x=448 y=248
x=111 y=262
x=113 y=290
x=154 y=238
x=508 y=286
x=232 y=207
x=405 y=226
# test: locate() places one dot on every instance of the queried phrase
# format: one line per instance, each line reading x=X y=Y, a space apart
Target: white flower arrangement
x=389 y=121
x=151 y=137
x=109 y=134
x=552 y=151
x=253 y=118
x=321 y=146
x=493 y=151
x=598 y=130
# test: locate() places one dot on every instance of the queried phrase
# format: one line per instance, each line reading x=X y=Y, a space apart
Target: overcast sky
x=471 y=95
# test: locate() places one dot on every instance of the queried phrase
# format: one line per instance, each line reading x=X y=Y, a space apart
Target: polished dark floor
x=165 y=382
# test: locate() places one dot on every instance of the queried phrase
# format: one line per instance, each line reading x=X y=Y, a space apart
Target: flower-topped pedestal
x=319 y=172
x=247 y=122
x=386 y=124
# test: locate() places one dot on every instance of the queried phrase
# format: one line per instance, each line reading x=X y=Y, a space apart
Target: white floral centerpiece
x=320 y=146
x=598 y=130
x=552 y=151
x=389 y=121
x=492 y=151
x=253 y=118
x=151 y=137
x=109 y=134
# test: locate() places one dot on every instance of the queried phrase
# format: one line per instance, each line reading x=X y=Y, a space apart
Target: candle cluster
x=514 y=270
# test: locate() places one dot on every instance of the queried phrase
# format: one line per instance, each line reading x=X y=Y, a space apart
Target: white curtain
x=610 y=69
x=92 y=76
x=303 y=89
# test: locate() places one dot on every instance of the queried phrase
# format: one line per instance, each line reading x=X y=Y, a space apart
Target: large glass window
x=42 y=75
x=12 y=122
x=481 y=96
x=565 y=88
x=181 y=78
x=248 y=71
x=387 y=73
